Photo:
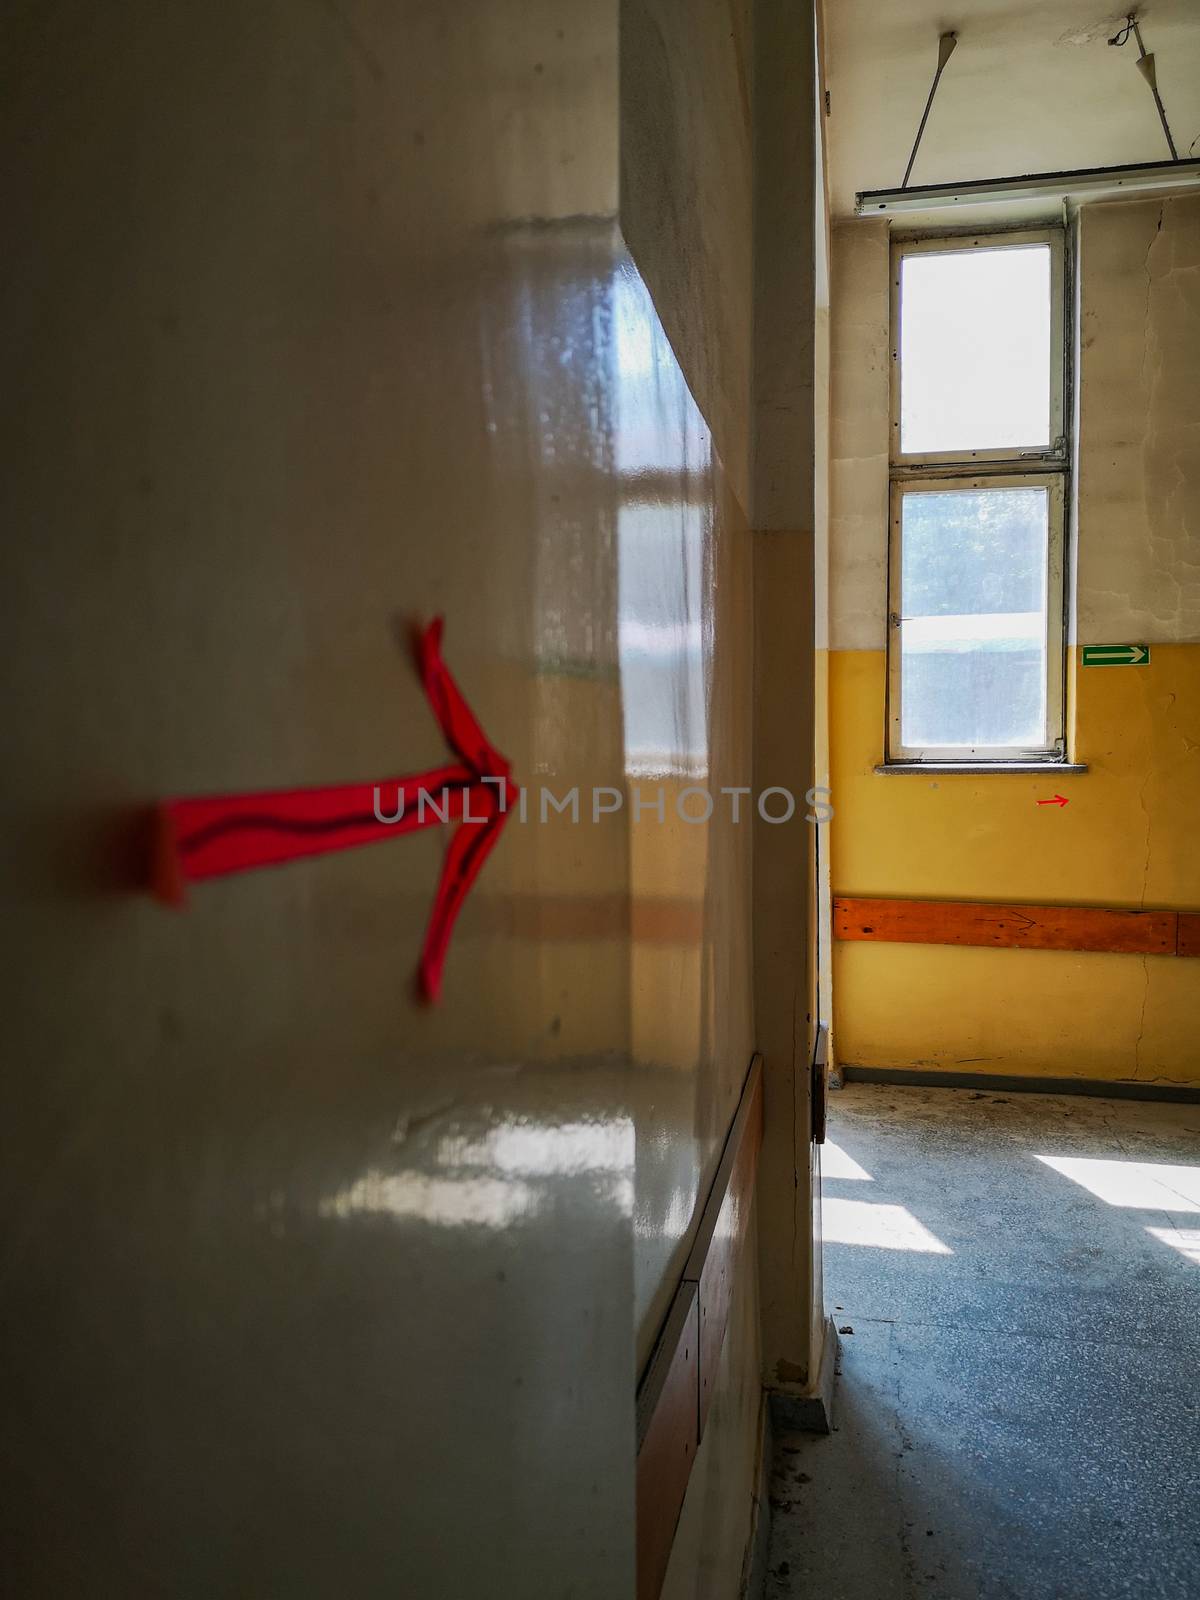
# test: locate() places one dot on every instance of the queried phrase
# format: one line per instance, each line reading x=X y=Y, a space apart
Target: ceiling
x=1031 y=87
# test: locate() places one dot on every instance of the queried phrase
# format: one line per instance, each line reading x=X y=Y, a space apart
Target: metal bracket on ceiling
x=946 y=44
x=1145 y=65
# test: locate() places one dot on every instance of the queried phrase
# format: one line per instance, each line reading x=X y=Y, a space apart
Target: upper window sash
x=1053 y=454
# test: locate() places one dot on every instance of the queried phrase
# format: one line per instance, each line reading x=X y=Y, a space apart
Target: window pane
x=973 y=617
x=975 y=349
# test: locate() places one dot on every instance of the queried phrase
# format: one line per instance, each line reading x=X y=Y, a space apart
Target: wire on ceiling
x=1145 y=65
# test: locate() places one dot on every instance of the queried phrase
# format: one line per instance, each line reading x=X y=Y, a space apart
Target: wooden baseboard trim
x=1183 y=1094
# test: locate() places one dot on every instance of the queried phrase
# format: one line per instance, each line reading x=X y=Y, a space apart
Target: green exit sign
x=1116 y=655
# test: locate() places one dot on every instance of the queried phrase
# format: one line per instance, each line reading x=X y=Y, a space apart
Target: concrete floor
x=1018 y=1411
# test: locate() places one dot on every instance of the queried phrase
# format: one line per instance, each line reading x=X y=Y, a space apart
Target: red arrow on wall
x=210 y=836
x=1058 y=800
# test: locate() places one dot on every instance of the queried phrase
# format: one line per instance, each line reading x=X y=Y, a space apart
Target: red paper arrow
x=1058 y=800
x=212 y=835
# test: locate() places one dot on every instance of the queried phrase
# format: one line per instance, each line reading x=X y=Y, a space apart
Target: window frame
x=947 y=244
x=1033 y=467
x=1054 y=749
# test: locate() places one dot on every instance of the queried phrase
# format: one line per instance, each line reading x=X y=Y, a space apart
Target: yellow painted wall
x=1127 y=836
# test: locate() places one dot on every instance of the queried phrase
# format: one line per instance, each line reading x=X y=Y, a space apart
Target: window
x=978 y=465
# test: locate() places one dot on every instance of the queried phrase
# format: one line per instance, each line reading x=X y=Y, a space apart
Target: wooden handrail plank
x=668 y=1434
x=1010 y=927
x=713 y=1260
x=674 y=1396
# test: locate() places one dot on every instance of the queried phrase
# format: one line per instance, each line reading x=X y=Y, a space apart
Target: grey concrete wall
x=788 y=202
x=860 y=400
x=686 y=204
x=686 y=197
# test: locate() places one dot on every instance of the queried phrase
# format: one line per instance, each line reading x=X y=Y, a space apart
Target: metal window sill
x=890 y=769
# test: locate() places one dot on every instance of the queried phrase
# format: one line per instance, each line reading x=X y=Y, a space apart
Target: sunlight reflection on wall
x=491 y=1179
x=664 y=539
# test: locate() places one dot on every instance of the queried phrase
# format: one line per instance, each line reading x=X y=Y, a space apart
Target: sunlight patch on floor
x=835 y=1163
x=1185 y=1240
x=1147 y=1185
x=885 y=1227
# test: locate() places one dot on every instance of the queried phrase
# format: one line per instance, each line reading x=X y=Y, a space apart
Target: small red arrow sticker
x=210 y=836
x=1058 y=800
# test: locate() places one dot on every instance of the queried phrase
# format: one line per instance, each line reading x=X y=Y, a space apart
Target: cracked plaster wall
x=1139 y=422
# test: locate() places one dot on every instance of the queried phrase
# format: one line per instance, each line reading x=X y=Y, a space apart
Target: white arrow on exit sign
x=1116 y=655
